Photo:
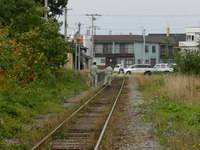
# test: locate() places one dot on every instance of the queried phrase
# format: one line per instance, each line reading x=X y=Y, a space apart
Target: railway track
x=84 y=129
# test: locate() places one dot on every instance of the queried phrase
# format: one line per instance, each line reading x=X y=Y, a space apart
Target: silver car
x=163 y=67
x=139 y=68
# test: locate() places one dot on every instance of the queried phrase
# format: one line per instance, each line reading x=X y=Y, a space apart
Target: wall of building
x=137 y=49
x=87 y=43
x=100 y=60
x=192 y=30
x=69 y=64
x=140 y=53
x=192 y=38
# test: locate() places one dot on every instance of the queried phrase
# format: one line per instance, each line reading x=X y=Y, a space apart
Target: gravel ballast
x=133 y=133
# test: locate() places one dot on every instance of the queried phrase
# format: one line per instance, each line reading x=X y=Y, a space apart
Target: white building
x=192 y=38
x=89 y=53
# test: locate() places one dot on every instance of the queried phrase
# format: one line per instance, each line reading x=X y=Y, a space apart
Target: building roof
x=126 y=39
x=175 y=38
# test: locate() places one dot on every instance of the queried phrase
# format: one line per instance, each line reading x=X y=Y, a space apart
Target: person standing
x=94 y=74
x=121 y=68
x=108 y=74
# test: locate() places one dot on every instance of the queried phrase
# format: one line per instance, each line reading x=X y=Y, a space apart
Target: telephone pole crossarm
x=93 y=19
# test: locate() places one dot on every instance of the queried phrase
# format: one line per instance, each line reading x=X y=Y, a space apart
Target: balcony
x=188 y=44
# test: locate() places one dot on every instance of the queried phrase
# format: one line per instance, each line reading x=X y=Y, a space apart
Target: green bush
x=189 y=61
x=19 y=105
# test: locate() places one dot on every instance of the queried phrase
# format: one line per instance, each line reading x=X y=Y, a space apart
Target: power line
x=131 y=15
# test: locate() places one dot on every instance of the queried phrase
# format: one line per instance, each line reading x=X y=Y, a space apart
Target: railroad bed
x=85 y=128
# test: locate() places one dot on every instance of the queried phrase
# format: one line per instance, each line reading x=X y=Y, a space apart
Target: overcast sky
x=130 y=16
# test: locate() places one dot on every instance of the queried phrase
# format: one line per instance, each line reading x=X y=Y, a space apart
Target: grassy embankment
x=20 y=106
x=173 y=104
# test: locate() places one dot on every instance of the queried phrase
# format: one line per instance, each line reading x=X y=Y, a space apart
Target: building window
x=103 y=61
x=123 y=48
x=128 y=62
x=107 y=48
x=125 y=61
x=153 y=49
x=146 y=49
x=192 y=38
x=98 y=48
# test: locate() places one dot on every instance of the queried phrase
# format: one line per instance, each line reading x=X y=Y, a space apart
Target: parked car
x=139 y=68
x=163 y=67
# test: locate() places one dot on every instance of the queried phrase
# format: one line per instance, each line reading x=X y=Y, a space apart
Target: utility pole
x=46 y=7
x=79 y=48
x=144 y=44
x=93 y=19
x=76 y=47
x=66 y=25
x=79 y=28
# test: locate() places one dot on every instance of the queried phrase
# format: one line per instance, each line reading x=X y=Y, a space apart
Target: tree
x=30 y=47
x=189 y=61
x=20 y=15
x=170 y=46
x=56 y=6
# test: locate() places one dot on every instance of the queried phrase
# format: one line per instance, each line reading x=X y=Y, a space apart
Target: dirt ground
x=132 y=132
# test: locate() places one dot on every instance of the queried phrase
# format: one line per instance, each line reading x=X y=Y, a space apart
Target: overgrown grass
x=185 y=87
x=173 y=104
x=20 y=105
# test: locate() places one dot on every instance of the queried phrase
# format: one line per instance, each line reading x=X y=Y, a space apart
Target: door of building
x=153 y=62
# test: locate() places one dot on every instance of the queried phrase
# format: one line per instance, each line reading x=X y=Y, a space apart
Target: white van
x=163 y=67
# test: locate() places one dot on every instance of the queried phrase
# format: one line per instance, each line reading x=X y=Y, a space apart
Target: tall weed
x=185 y=87
x=173 y=108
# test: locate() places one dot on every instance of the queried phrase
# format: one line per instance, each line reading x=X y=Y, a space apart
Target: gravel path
x=135 y=134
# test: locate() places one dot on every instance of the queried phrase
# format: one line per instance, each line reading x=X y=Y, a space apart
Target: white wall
x=87 y=43
x=191 y=32
x=192 y=29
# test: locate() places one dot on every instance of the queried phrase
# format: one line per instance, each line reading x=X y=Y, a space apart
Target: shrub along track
x=85 y=128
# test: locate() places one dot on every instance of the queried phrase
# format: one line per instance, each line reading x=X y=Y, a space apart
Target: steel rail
x=109 y=116
x=61 y=124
